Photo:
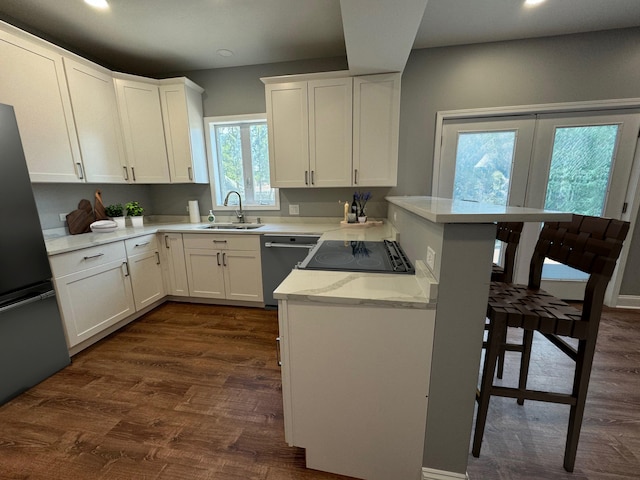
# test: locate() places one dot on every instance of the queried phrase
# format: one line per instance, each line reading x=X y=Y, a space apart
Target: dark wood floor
x=193 y=392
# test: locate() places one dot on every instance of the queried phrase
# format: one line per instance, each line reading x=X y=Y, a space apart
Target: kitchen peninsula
x=379 y=387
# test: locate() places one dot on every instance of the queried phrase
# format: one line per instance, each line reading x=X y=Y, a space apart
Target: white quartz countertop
x=446 y=210
x=355 y=288
x=58 y=242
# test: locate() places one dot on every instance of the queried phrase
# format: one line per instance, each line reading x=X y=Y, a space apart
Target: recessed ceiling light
x=533 y=3
x=223 y=52
x=101 y=4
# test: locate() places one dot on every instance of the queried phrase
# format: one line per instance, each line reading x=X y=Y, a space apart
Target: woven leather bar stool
x=509 y=234
x=589 y=244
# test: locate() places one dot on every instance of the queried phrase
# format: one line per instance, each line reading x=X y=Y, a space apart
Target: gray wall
x=593 y=66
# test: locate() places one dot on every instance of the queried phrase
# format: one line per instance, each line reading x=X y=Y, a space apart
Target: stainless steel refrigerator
x=32 y=342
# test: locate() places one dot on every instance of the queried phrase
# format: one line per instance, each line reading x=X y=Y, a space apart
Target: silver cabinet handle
x=142 y=244
x=288 y=245
x=133 y=173
x=166 y=241
x=157 y=258
x=278 y=351
x=126 y=174
x=313 y=181
x=80 y=171
x=219 y=241
x=224 y=259
x=190 y=170
x=126 y=268
x=306 y=177
x=93 y=256
x=355 y=176
x=218 y=258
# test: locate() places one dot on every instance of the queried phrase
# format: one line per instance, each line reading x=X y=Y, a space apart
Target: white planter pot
x=120 y=221
x=137 y=221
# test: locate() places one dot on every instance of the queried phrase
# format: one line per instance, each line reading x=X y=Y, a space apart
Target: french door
x=578 y=162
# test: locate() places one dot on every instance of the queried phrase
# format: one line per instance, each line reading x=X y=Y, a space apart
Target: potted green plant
x=116 y=213
x=134 y=211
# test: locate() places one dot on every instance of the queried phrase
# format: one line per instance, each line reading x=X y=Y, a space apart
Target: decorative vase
x=362 y=219
x=137 y=221
x=120 y=221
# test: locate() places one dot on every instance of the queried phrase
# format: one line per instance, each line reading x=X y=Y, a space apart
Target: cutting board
x=80 y=220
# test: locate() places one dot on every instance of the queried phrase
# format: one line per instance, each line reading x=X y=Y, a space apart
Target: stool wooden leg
x=495 y=340
x=501 y=355
x=527 y=342
x=584 y=363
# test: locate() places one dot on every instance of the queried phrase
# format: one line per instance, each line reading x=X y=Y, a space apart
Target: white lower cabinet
x=224 y=266
x=93 y=288
x=145 y=269
x=354 y=386
x=175 y=268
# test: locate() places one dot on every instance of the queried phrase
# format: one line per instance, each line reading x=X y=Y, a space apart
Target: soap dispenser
x=211 y=217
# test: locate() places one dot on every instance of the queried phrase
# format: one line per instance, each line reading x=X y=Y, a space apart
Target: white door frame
x=633 y=191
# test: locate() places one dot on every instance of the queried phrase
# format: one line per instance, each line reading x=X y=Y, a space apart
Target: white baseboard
x=433 y=474
x=628 y=301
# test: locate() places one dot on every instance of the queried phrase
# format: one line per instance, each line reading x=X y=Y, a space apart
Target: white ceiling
x=166 y=36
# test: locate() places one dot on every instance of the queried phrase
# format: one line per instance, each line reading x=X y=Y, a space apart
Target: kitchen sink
x=232 y=226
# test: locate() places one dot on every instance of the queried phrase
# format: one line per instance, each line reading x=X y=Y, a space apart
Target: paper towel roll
x=194 y=211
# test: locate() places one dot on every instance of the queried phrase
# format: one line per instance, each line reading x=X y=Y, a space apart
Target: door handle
x=224 y=259
x=218 y=258
x=80 y=171
x=306 y=177
x=157 y=258
x=126 y=268
x=126 y=174
x=166 y=241
x=279 y=357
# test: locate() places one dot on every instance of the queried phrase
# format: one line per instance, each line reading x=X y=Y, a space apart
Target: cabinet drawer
x=71 y=262
x=212 y=241
x=143 y=244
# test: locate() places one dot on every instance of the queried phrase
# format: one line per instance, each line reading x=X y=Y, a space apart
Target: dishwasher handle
x=24 y=301
x=308 y=246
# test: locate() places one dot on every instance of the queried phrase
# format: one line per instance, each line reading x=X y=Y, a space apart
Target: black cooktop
x=358 y=256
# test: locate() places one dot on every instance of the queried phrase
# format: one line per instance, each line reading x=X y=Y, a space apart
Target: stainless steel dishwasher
x=280 y=254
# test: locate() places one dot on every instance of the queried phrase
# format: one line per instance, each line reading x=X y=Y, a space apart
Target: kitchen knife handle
x=278 y=351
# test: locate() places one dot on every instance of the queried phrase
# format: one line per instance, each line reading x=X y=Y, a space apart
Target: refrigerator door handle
x=26 y=301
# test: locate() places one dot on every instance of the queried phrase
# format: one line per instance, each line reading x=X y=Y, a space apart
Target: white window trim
x=212 y=159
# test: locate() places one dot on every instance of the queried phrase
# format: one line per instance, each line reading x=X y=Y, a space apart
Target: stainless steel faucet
x=239 y=212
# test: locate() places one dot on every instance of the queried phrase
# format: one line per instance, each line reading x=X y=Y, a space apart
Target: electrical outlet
x=431 y=258
x=63 y=217
x=294 y=209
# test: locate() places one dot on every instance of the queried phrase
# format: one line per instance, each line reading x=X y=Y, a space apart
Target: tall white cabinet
x=141 y=117
x=32 y=80
x=95 y=111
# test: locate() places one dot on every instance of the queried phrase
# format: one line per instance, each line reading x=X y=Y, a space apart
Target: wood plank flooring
x=188 y=392
x=193 y=392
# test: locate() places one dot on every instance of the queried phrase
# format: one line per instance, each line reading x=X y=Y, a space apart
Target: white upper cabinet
x=333 y=130
x=330 y=135
x=95 y=111
x=141 y=117
x=310 y=132
x=376 y=121
x=32 y=81
x=288 y=124
x=181 y=102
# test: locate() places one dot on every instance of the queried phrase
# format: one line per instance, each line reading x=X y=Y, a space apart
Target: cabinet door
x=205 y=273
x=288 y=123
x=176 y=267
x=184 y=133
x=94 y=299
x=95 y=110
x=141 y=116
x=32 y=80
x=376 y=120
x=146 y=278
x=330 y=132
x=242 y=275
